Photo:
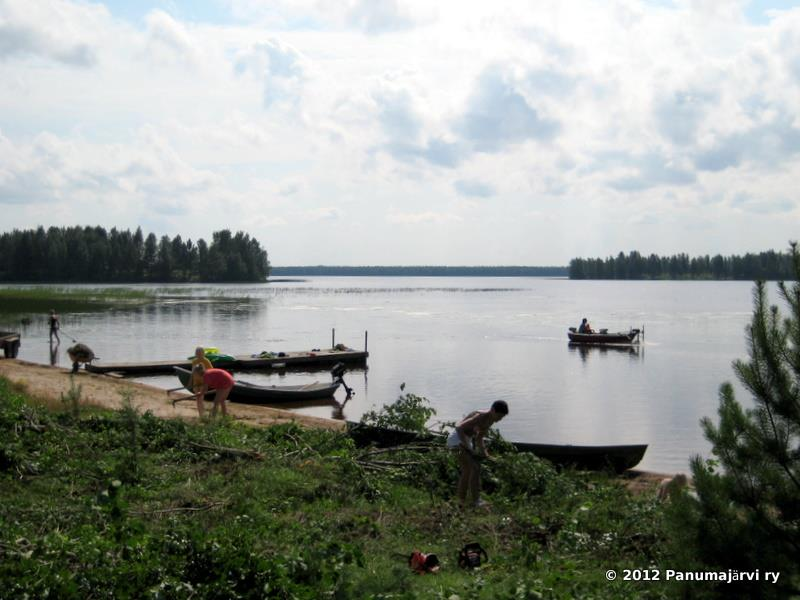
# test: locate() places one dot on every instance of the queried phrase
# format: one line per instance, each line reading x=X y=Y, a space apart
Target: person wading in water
x=55 y=325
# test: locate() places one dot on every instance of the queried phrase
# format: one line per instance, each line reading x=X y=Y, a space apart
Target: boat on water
x=252 y=393
x=603 y=336
x=588 y=458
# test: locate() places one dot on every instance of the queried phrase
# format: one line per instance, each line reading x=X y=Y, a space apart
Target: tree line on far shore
x=422 y=271
x=768 y=265
x=92 y=254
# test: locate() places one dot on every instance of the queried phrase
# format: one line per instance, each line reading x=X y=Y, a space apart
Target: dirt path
x=48 y=383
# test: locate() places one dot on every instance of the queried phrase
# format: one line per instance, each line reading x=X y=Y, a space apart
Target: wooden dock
x=319 y=359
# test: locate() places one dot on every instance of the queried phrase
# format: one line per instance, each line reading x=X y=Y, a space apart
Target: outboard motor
x=337 y=373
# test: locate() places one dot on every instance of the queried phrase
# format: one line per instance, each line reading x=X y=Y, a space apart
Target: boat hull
x=262 y=394
x=619 y=337
x=617 y=458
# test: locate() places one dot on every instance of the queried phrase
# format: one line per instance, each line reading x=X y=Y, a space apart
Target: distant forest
x=422 y=271
x=92 y=254
x=765 y=266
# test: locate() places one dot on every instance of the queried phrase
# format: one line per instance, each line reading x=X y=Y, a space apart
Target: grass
x=42 y=299
x=118 y=504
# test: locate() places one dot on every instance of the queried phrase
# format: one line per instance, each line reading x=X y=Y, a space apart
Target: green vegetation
x=765 y=265
x=42 y=299
x=747 y=513
x=92 y=254
x=126 y=505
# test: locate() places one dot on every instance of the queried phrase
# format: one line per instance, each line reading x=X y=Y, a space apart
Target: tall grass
x=40 y=299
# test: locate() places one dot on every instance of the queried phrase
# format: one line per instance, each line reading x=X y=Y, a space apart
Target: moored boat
x=589 y=458
x=603 y=336
x=269 y=394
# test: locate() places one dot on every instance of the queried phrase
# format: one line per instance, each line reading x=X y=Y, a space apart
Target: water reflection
x=634 y=352
x=338 y=409
x=54 y=353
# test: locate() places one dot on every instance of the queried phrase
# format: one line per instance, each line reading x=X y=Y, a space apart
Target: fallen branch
x=162 y=511
x=417 y=447
x=390 y=463
x=299 y=442
x=230 y=452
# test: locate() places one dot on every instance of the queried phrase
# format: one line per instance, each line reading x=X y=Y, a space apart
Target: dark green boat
x=587 y=458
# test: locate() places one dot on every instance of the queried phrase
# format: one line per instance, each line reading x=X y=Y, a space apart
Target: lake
x=462 y=343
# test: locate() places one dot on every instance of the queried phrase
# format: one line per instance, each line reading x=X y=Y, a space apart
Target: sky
x=408 y=132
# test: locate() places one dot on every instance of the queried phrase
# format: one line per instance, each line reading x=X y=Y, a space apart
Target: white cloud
x=423 y=217
x=498 y=114
x=279 y=66
x=475 y=189
x=751 y=205
x=148 y=173
x=324 y=213
x=168 y=39
x=47 y=31
x=454 y=118
x=369 y=16
x=379 y=16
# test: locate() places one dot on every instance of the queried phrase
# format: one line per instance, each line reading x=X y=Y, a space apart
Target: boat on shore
x=269 y=394
x=617 y=458
x=603 y=336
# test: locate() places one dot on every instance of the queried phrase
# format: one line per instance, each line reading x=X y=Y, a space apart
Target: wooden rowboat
x=587 y=458
x=269 y=394
x=604 y=337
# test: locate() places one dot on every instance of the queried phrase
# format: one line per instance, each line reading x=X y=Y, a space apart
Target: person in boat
x=197 y=374
x=467 y=438
x=55 y=325
x=214 y=379
x=585 y=327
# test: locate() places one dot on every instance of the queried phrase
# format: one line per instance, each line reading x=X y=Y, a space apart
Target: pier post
x=333 y=337
x=366 y=334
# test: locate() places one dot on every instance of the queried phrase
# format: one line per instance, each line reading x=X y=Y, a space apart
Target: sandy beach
x=47 y=384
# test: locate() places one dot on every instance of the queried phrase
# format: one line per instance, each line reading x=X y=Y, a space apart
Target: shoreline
x=46 y=384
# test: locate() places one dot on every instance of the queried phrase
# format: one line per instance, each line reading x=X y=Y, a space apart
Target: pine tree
x=746 y=515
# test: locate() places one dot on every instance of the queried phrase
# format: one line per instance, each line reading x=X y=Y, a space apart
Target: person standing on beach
x=468 y=437
x=55 y=325
x=197 y=374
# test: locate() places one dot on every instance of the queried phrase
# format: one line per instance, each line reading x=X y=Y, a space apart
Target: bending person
x=468 y=437
x=214 y=379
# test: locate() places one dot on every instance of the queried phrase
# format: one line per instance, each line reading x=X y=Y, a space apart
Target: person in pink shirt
x=215 y=379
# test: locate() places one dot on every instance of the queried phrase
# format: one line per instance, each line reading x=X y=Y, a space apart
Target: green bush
x=408 y=413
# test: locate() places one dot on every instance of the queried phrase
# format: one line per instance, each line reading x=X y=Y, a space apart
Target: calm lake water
x=462 y=343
